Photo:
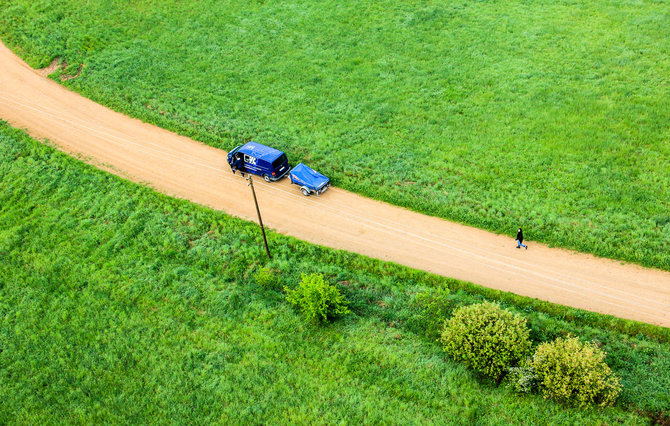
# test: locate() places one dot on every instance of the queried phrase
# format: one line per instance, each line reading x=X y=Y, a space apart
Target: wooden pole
x=260 y=221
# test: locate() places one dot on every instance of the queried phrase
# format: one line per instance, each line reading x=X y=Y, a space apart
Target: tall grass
x=118 y=304
x=552 y=116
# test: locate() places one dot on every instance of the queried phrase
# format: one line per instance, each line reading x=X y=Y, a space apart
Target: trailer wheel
x=305 y=191
x=267 y=178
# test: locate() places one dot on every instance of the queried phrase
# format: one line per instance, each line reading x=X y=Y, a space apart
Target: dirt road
x=183 y=168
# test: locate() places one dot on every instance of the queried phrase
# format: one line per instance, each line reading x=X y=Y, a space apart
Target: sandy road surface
x=183 y=168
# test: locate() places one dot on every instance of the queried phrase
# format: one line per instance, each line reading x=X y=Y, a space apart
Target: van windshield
x=279 y=161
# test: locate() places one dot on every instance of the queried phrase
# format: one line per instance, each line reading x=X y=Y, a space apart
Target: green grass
x=119 y=304
x=551 y=115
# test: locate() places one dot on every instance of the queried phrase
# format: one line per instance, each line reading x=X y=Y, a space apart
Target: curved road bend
x=186 y=169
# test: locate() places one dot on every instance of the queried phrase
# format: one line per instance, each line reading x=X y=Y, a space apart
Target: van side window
x=250 y=160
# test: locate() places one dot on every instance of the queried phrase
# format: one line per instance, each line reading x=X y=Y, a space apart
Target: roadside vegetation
x=119 y=304
x=487 y=338
x=570 y=371
x=316 y=299
x=552 y=116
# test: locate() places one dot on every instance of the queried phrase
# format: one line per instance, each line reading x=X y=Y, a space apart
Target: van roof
x=260 y=151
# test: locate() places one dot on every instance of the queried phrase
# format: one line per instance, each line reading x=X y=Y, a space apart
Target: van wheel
x=305 y=191
x=267 y=178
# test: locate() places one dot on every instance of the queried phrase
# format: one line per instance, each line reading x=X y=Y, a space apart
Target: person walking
x=519 y=239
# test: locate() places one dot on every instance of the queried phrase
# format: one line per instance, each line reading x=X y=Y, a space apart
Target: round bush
x=573 y=372
x=317 y=299
x=486 y=338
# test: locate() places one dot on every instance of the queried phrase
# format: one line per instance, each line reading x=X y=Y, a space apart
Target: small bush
x=434 y=306
x=522 y=379
x=266 y=278
x=317 y=299
x=570 y=371
x=486 y=338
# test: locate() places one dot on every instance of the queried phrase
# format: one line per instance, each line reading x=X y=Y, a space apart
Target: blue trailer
x=309 y=180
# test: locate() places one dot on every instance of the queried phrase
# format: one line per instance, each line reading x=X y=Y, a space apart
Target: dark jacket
x=519 y=236
x=238 y=164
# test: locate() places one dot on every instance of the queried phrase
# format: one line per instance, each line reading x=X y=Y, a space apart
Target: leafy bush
x=317 y=299
x=523 y=378
x=487 y=338
x=570 y=371
x=434 y=305
x=266 y=278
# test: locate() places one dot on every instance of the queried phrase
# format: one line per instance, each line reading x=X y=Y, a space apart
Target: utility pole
x=260 y=221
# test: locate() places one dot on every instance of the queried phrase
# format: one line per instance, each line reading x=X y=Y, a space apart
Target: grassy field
x=118 y=304
x=548 y=115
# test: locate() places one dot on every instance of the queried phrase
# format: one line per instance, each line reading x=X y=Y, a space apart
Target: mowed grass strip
x=120 y=304
x=552 y=116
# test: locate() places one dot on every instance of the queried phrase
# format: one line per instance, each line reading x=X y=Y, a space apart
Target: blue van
x=260 y=160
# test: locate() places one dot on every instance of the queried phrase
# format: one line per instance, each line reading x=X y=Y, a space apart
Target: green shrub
x=434 y=305
x=317 y=299
x=266 y=278
x=522 y=379
x=570 y=371
x=486 y=338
